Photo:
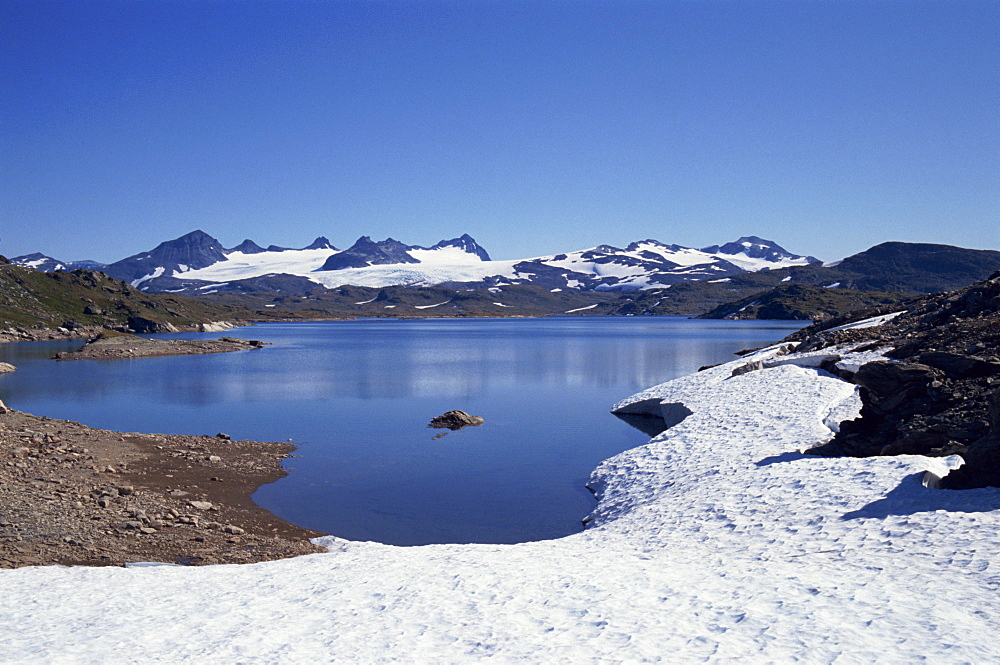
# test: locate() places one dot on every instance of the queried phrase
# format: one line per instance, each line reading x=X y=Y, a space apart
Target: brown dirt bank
x=71 y=494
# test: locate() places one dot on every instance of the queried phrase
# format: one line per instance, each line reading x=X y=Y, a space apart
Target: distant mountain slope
x=802 y=303
x=899 y=267
x=38 y=261
x=915 y=268
x=45 y=263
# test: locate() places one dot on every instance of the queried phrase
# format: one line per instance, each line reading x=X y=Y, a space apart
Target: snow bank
x=867 y=323
x=717 y=540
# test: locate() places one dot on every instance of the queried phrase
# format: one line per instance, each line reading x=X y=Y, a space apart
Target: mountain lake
x=356 y=398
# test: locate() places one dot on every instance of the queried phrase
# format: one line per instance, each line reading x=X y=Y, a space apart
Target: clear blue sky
x=536 y=127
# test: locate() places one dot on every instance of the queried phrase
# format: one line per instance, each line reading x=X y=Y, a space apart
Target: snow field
x=716 y=541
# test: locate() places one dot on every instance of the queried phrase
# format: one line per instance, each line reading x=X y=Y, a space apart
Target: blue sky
x=536 y=127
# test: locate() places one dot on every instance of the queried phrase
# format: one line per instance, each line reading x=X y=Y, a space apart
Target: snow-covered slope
x=718 y=541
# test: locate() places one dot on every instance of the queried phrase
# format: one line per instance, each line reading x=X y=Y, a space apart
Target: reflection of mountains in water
x=385 y=361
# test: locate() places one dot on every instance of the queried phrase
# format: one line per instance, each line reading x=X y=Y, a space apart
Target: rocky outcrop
x=142 y=325
x=938 y=394
x=216 y=326
x=982 y=458
x=366 y=252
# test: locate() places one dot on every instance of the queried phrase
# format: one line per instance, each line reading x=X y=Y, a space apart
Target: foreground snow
x=717 y=540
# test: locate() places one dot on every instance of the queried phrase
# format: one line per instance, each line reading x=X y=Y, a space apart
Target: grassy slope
x=32 y=299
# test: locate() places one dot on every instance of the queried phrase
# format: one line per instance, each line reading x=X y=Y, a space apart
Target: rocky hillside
x=940 y=393
x=803 y=303
x=30 y=299
x=902 y=267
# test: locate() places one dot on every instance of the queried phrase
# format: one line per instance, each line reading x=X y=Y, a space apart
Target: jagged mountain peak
x=467 y=244
x=367 y=252
x=192 y=250
x=320 y=242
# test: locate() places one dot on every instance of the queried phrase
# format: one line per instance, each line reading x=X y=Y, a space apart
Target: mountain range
x=747 y=278
x=197 y=262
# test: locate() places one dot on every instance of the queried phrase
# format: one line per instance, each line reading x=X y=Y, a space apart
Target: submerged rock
x=454 y=420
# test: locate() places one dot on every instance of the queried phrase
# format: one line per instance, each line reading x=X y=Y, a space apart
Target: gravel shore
x=71 y=494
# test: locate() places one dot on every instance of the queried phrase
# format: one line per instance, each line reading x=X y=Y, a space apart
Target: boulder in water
x=454 y=420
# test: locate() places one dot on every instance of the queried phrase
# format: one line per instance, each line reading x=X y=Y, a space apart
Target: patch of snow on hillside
x=868 y=323
x=430 y=306
x=580 y=309
x=153 y=275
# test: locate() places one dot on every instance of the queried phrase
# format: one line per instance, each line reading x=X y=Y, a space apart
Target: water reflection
x=392 y=359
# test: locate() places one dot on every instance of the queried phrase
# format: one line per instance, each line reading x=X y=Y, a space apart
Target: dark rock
x=142 y=325
x=958 y=365
x=982 y=458
x=751 y=366
x=455 y=420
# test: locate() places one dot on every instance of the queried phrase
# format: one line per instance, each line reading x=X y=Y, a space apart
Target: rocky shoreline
x=75 y=495
x=108 y=345
x=940 y=392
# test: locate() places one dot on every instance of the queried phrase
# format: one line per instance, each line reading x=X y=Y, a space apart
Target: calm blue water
x=356 y=397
